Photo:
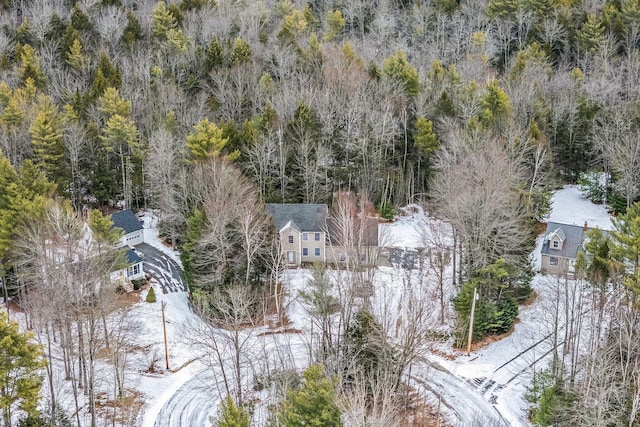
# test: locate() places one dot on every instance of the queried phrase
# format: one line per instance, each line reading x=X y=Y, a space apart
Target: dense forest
x=205 y=110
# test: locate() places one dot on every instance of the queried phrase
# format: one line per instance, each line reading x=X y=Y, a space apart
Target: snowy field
x=569 y=207
x=487 y=385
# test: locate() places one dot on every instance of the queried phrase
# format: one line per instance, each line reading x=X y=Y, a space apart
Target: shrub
x=151 y=295
x=312 y=404
x=386 y=210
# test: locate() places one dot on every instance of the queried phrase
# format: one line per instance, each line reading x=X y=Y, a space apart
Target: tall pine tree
x=21 y=362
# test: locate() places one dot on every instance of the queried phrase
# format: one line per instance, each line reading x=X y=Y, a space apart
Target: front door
x=291 y=257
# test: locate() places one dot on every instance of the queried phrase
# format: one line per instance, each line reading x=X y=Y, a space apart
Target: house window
x=555 y=244
x=317 y=251
x=290 y=239
x=342 y=257
x=317 y=237
x=553 y=261
x=133 y=270
x=305 y=251
x=363 y=257
x=305 y=236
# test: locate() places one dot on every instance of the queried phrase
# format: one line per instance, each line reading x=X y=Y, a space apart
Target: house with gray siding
x=560 y=248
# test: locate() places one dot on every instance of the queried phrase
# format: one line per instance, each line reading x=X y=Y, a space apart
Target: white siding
x=133 y=239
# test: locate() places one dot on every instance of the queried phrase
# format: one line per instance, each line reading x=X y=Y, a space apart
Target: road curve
x=463 y=400
x=191 y=404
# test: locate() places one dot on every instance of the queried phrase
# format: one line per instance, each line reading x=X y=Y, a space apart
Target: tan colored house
x=560 y=248
x=308 y=235
x=302 y=231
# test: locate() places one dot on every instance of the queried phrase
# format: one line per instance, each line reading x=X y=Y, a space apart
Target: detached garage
x=133 y=231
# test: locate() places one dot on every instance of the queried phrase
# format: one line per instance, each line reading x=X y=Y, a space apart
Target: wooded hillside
x=206 y=110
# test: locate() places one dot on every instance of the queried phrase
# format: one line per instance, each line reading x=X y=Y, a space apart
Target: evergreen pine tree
x=213 y=56
x=8 y=178
x=76 y=59
x=206 y=140
x=23 y=33
x=120 y=136
x=110 y=103
x=241 y=52
x=20 y=364
x=398 y=68
x=591 y=34
x=313 y=404
x=335 y=24
x=424 y=138
x=626 y=248
x=30 y=67
x=496 y=105
x=133 y=30
x=232 y=415
x=48 y=145
x=162 y=21
x=151 y=296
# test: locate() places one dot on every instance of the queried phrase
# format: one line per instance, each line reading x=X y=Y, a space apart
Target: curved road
x=463 y=401
x=194 y=402
x=191 y=404
x=191 y=399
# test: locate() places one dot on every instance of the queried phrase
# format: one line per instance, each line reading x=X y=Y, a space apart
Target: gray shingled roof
x=574 y=235
x=307 y=217
x=132 y=257
x=126 y=220
x=560 y=233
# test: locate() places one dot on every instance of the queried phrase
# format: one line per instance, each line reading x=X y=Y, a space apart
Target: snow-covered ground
x=500 y=372
x=568 y=206
x=489 y=384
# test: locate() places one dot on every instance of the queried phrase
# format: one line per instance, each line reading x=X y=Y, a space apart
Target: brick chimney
x=585 y=226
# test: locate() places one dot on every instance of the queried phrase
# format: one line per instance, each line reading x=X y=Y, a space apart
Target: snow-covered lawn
x=568 y=206
x=491 y=380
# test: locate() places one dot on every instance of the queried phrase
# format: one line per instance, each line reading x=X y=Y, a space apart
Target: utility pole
x=164 y=330
x=473 y=310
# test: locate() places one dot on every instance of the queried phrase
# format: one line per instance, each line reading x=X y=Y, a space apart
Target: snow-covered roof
x=568 y=206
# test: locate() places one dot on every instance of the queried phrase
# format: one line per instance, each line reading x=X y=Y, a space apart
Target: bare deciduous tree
x=229 y=318
x=474 y=190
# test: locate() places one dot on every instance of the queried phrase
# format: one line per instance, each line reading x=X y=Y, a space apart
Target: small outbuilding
x=133 y=230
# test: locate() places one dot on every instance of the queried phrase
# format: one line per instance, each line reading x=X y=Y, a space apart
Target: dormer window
x=555 y=244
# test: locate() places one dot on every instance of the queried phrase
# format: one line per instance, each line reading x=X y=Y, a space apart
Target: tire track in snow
x=463 y=401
